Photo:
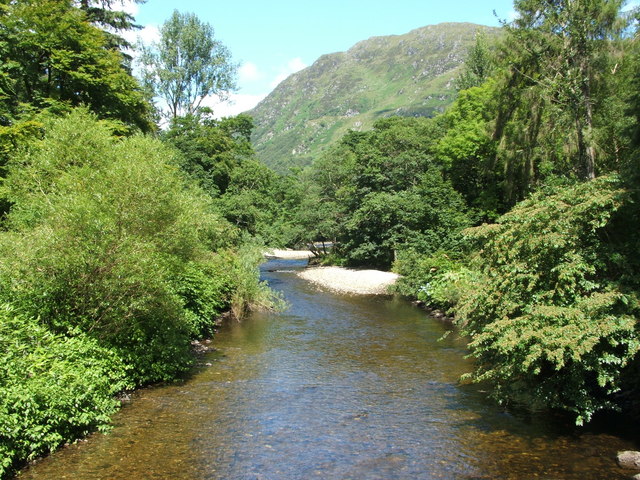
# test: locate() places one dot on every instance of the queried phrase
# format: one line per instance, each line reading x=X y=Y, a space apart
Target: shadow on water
x=336 y=387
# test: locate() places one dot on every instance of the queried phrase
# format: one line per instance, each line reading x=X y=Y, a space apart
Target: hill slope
x=409 y=75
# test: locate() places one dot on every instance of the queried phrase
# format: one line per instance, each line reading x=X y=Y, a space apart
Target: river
x=335 y=387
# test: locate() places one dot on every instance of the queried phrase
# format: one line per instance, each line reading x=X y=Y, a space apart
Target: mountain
x=408 y=75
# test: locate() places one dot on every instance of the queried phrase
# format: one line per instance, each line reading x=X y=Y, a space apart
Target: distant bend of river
x=336 y=387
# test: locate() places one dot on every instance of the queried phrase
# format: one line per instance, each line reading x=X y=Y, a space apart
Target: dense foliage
x=109 y=254
x=383 y=191
x=55 y=388
x=217 y=154
x=66 y=62
x=114 y=248
x=187 y=65
x=550 y=321
x=548 y=294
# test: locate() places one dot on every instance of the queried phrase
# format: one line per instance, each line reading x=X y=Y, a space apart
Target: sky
x=273 y=39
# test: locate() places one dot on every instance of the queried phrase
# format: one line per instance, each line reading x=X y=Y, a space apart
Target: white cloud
x=249 y=72
x=149 y=34
x=294 y=65
x=236 y=104
x=128 y=6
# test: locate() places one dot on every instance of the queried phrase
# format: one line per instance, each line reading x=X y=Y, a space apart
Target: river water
x=336 y=387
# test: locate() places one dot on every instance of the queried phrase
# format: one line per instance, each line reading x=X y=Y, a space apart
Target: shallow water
x=336 y=387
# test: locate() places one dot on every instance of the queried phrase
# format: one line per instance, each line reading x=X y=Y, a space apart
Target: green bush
x=104 y=233
x=55 y=388
x=439 y=280
x=205 y=289
x=249 y=293
x=122 y=261
x=550 y=324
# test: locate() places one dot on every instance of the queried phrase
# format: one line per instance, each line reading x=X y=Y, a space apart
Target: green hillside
x=408 y=75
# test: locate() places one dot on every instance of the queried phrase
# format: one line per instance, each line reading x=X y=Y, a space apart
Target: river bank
x=339 y=279
x=345 y=280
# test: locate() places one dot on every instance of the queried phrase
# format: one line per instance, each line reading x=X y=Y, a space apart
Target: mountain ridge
x=410 y=74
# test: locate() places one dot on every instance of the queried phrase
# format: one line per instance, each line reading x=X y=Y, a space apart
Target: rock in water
x=629 y=459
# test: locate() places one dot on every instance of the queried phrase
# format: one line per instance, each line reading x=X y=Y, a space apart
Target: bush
x=206 y=290
x=54 y=388
x=122 y=261
x=550 y=325
x=105 y=234
x=439 y=280
x=249 y=292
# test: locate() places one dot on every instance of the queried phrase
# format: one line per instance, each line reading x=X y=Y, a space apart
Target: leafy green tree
x=55 y=388
x=104 y=233
x=210 y=149
x=424 y=218
x=382 y=192
x=262 y=203
x=551 y=324
x=478 y=65
x=557 y=65
x=469 y=151
x=187 y=65
x=103 y=13
x=64 y=63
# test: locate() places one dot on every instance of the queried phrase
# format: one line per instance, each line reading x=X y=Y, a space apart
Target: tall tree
x=557 y=59
x=478 y=64
x=106 y=15
x=210 y=149
x=66 y=62
x=187 y=65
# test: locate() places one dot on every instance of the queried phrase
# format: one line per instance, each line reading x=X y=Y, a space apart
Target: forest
x=133 y=219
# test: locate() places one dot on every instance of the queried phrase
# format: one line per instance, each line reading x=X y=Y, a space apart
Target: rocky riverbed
x=345 y=280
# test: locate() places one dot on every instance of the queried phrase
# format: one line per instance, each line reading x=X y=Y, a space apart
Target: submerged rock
x=629 y=459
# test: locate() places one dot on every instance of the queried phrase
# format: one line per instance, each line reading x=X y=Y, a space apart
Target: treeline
x=119 y=243
x=516 y=210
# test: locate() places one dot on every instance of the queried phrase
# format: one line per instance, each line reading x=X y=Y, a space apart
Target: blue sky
x=272 y=39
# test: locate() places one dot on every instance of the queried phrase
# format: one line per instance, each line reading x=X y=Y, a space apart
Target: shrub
x=55 y=388
x=103 y=232
x=206 y=290
x=439 y=280
x=549 y=323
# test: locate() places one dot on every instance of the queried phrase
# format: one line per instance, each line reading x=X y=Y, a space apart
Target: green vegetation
x=217 y=155
x=57 y=65
x=551 y=320
x=538 y=155
x=516 y=209
x=383 y=192
x=111 y=254
x=115 y=252
x=186 y=65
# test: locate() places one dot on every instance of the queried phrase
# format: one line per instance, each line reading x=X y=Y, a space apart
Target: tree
x=103 y=14
x=69 y=62
x=477 y=66
x=210 y=149
x=187 y=65
x=557 y=58
x=383 y=191
x=552 y=319
x=114 y=242
x=469 y=152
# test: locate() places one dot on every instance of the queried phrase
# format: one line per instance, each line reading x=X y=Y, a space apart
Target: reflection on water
x=336 y=387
